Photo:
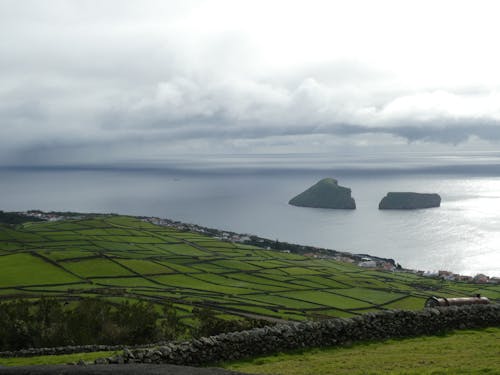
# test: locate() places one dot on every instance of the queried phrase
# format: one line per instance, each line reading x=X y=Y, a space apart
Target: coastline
x=362 y=260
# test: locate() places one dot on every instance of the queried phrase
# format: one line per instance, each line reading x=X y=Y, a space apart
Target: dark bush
x=48 y=322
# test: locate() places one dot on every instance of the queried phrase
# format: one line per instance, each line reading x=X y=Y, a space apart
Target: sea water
x=251 y=196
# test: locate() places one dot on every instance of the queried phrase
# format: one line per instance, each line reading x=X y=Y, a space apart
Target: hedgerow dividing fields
x=120 y=257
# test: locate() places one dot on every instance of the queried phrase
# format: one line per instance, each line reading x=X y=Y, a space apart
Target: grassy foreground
x=460 y=352
x=54 y=359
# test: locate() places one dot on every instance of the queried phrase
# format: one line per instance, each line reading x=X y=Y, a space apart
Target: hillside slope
x=118 y=257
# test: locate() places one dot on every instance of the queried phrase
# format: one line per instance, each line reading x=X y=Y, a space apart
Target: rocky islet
x=409 y=201
x=327 y=193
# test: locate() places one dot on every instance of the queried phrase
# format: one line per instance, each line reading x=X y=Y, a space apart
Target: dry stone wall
x=33 y=352
x=290 y=336
x=282 y=337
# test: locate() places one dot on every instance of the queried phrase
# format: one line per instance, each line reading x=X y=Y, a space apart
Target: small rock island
x=409 y=201
x=327 y=193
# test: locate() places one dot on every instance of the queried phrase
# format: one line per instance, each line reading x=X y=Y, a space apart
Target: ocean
x=249 y=194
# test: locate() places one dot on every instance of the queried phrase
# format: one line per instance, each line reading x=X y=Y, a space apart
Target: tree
x=138 y=321
x=87 y=321
x=49 y=323
x=171 y=327
x=15 y=332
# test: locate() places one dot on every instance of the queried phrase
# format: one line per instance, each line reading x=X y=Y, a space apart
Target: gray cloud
x=447 y=131
x=81 y=81
x=184 y=109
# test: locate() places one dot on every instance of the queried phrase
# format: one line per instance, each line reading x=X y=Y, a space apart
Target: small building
x=388 y=266
x=368 y=264
x=481 y=279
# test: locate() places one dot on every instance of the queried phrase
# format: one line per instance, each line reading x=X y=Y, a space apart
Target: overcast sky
x=84 y=81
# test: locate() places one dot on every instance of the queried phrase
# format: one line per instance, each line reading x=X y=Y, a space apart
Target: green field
x=461 y=352
x=124 y=257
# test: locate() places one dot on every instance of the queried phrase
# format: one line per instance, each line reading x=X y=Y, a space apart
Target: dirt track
x=142 y=369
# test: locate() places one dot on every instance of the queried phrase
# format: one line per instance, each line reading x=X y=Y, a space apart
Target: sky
x=90 y=81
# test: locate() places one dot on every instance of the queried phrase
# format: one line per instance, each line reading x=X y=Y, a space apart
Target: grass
x=327 y=299
x=323 y=281
x=279 y=301
x=411 y=303
x=370 y=295
x=26 y=269
x=54 y=359
x=460 y=352
x=66 y=253
x=195 y=270
x=185 y=250
x=97 y=267
x=123 y=256
x=131 y=282
x=144 y=266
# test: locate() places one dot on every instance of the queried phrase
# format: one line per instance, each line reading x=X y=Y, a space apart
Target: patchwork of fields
x=119 y=257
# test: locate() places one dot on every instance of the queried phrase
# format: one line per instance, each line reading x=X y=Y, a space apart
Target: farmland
x=123 y=258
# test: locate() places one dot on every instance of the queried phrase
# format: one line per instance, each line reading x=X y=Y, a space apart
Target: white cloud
x=440 y=104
